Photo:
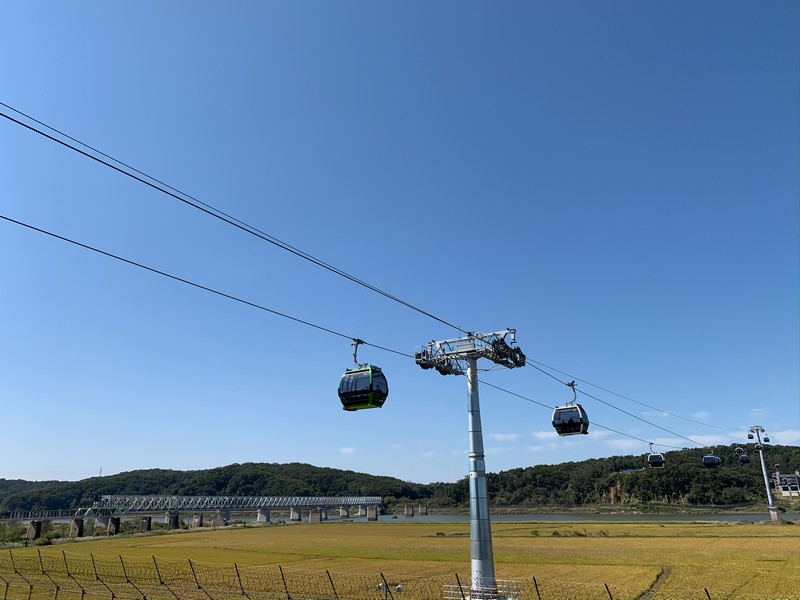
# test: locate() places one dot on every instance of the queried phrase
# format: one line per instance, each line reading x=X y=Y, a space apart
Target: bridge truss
x=156 y=503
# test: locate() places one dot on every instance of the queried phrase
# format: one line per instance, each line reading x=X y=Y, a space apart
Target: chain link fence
x=62 y=577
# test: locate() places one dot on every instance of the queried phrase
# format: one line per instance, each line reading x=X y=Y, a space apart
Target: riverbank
x=608 y=509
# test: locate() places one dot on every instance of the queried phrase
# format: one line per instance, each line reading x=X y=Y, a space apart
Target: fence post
x=16 y=572
x=161 y=581
x=97 y=576
x=199 y=587
x=46 y=574
x=128 y=579
x=66 y=568
x=536 y=585
x=707 y=594
x=285 y=587
x=460 y=589
x=5 y=591
x=387 y=592
x=608 y=591
x=239 y=579
x=333 y=587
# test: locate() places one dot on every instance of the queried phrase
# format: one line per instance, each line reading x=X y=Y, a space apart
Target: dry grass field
x=730 y=560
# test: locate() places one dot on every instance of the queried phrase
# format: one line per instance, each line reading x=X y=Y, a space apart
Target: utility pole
x=444 y=356
x=757 y=430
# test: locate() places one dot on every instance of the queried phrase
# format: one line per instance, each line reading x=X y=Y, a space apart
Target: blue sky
x=617 y=181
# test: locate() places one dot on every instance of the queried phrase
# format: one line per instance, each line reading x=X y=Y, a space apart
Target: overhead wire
x=196 y=285
x=630 y=414
x=210 y=210
x=263 y=308
x=594 y=385
x=531 y=400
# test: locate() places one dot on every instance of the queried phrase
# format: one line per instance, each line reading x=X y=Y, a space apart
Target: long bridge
x=111 y=506
x=135 y=503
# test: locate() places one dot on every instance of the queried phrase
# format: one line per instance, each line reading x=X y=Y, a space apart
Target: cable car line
x=197 y=285
x=308 y=323
x=530 y=361
x=231 y=220
x=497 y=387
x=214 y=212
x=532 y=401
x=641 y=419
x=319 y=327
x=619 y=409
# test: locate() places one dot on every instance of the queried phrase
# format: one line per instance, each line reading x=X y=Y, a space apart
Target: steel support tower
x=757 y=430
x=446 y=356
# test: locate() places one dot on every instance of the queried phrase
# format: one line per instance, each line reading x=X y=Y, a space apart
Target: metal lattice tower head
x=444 y=356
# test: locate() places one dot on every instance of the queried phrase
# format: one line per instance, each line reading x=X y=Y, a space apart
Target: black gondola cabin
x=656 y=461
x=363 y=387
x=570 y=420
x=711 y=462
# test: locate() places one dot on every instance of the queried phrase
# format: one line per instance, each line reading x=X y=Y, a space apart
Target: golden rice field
x=730 y=560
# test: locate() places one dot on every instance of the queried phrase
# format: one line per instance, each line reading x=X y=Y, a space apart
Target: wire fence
x=62 y=577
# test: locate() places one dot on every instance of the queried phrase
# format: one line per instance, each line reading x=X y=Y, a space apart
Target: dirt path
x=660 y=580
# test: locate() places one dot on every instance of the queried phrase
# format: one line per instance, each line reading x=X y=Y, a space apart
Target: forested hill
x=248 y=479
x=614 y=480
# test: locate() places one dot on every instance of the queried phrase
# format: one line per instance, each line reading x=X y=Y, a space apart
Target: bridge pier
x=146 y=524
x=34 y=530
x=315 y=515
x=197 y=520
x=423 y=509
x=344 y=512
x=372 y=513
x=409 y=510
x=294 y=514
x=362 y=511
x=173 y=520
x=263 y=515
x=113 y=526
x=76 y=527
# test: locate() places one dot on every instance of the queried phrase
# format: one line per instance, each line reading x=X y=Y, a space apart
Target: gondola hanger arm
x=572 y=385
x=356 y=343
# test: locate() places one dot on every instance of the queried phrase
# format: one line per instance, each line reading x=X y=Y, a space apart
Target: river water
x=551 y=517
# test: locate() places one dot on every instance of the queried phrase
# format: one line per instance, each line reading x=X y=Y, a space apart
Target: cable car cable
x=641 y=419
x=356 y=341
x=497 y=387
x=215 y=212
x=314 y=325
x=231 y=220
x=532 y=401
x=529 y=360
x=197 y=285
x=619 y=409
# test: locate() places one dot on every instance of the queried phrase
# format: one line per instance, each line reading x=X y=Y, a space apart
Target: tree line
x=617 y=480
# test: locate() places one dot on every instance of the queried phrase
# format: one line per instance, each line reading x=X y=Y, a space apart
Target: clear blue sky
x=618 y=181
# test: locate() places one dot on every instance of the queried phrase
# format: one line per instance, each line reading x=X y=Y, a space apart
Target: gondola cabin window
x=570 y=420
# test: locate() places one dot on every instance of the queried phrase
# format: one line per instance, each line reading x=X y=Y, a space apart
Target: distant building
x=787 y=484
